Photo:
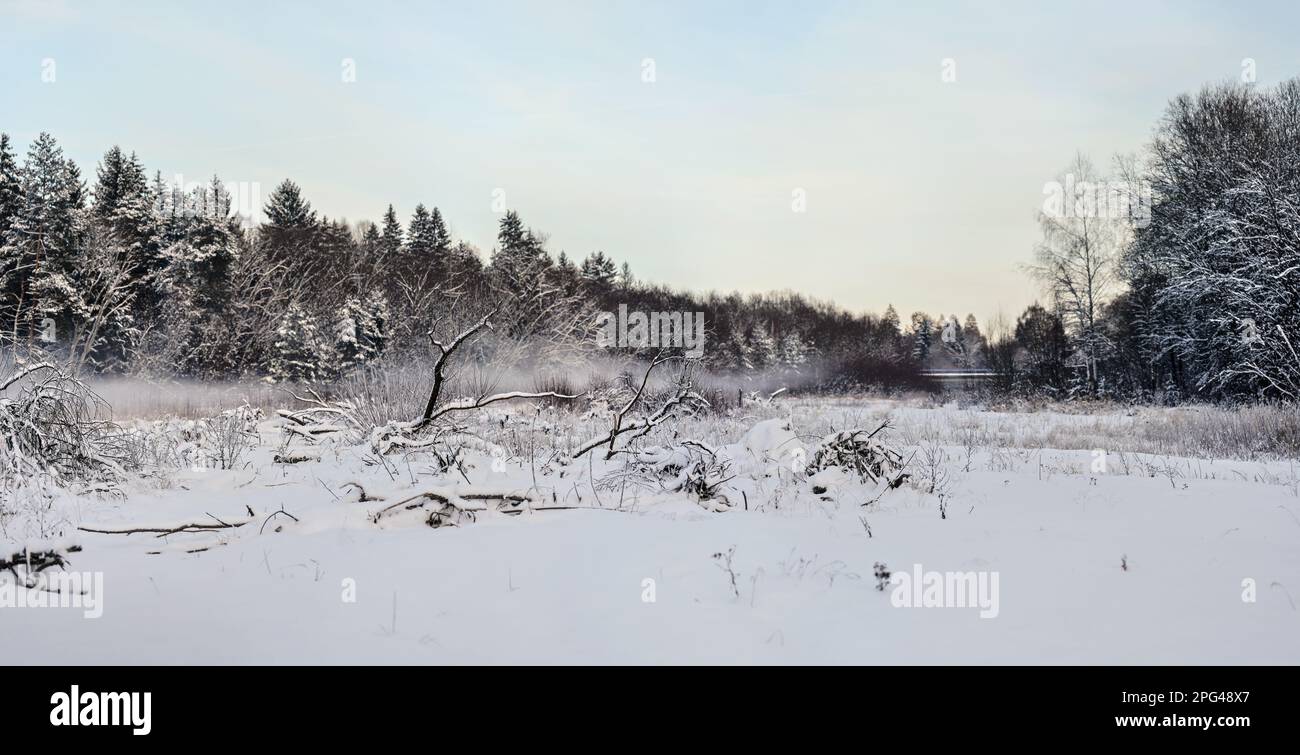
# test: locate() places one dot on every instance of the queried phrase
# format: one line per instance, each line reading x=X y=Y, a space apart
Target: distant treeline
x=1200 y=298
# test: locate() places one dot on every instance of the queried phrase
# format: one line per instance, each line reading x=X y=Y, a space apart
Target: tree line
x=1196 y=296
x=134 y=275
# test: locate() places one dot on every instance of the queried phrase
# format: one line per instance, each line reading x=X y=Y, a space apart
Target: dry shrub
x=52 y=426
x=862 y=453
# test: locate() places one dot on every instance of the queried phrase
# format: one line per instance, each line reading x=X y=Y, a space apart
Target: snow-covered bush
x=218 y=441
x=226 y=437
x=862 y=453
x=54 y=433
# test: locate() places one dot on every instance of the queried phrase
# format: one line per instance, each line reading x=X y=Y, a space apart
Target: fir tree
x=41 y=243
x=762 y=348
x=426 y=240
x=598 y=271
x=360 y=332
x=891 y=321
x=11 y=189
x=296 y=354
x=794 y=352
x=290 y=230
x=288 y=210
x=391 y=240
x=439 y=236
x=520 y=262
x=922 y=336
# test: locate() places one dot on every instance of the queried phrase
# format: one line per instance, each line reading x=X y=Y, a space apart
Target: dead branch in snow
x=164 y=531
x=433 y=411
x=273 y=515
x=454 y=505
x=321 y=418
x=684 y=397
x=362 y=495
x=445 y=353
x=862 y=453
x=35 y=561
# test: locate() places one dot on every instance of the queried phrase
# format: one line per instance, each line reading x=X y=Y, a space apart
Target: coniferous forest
x=121 y=273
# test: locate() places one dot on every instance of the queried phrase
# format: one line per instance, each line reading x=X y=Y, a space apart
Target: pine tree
x=512 y=236
x=40 y=246
x=297 y=353
x=794 y=352
x=11 y=188
x=599 y=271
x=891 y=320
x=360 y=332
x=520 y=262
x=733 y=353
x=370 y=238
x=125 y=210
x=349 y=353
x=440 y=237
x=288 y=209
x=201 y=253
x=125 y=205
x=762 y=349
x=922 y=336
x=419 y=243
x=567 y=275
x=11 y=203
x=391 y=240
x=973 y=340
x=119 y=180
x=290 y=230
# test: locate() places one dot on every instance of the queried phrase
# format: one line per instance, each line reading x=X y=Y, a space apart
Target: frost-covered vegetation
x=1190 y=299
x=506 y=534
x=225 y=418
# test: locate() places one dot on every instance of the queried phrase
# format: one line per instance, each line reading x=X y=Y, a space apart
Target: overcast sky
x=917 y=191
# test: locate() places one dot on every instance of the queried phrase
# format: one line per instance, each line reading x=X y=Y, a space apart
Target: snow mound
x=764 y=448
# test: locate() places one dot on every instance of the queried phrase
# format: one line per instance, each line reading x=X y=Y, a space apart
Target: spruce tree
x=10 y=185
x=41 y=243
x=438 y=233
x=296 y=354
x=288 y=209
x=922 y=336
x=291 y=230
x=598 y=271
x=420 y=242
x=11 y=202
x=891 y=320
x=391 y=241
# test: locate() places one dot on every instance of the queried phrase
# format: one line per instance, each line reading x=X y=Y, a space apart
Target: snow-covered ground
x=1118 y=558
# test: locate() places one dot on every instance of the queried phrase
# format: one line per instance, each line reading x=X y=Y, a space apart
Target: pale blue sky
x=919 y=192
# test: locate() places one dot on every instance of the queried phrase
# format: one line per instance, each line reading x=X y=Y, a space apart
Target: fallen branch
x=273 y=515
x=465 y=504
x=362 y=495
x=163 y=531
x=35 y=561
